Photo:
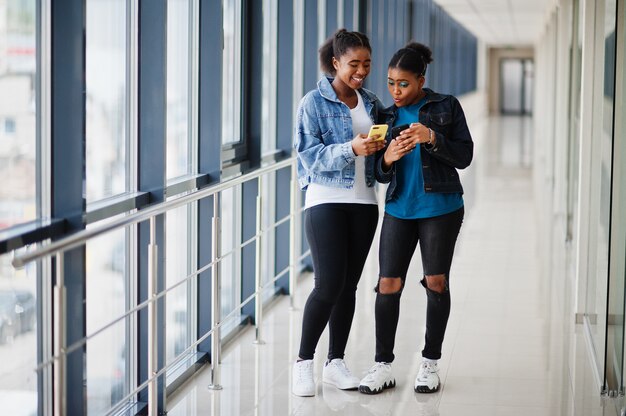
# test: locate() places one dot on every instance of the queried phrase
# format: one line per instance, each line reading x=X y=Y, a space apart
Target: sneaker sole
x=366 y=390
x=303 y=394
x=425 y=389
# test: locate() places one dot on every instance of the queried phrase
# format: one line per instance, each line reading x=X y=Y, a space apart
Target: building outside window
x=107 y=171
x=18 y=202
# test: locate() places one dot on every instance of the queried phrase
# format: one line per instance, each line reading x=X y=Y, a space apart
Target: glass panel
x=178 y=87
x=268 y=110
x=268 y=140
x=268 y=254
x=529 y=75
x=618 y=285
x=177 y=268
x=231 y=256
x=603 y=325
x=106 y=361
x=231 y=73
x=17 y=112
x=18 y=203
x=106 y=102
x=574 y=120
x=615 y=319
x=618 y=277
x=512 y=77
x=18 y=338
x=348 y=15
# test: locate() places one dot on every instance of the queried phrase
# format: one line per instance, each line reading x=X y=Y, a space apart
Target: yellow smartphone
x=378 y=129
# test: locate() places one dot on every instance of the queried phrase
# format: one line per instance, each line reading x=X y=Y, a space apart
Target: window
x=9 y=126
x=18 y=200
x=107 y=98
x=181 y=89
x=107 y=102
x=106 y=292
x=270 y=27
x=17 y=113
x=600 y=197
x=268 y=137
x=231 y=73
x=178 y=260
x=231 y=256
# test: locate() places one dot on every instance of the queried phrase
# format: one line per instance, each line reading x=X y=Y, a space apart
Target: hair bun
x=423 y=50
x=341 y=33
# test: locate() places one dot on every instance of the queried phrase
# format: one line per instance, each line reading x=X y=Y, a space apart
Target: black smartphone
x=395 y=131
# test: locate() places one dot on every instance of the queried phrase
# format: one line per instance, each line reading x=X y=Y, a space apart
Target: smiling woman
x=335 y=166
x=351 y=68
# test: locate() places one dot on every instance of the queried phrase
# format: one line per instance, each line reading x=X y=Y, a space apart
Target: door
x=516 y=86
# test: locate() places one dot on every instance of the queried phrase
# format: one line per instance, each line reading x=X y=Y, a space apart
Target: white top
x=317 y=194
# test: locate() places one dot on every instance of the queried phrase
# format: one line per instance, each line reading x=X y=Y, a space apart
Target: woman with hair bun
x=424 y=203
x=336 y=167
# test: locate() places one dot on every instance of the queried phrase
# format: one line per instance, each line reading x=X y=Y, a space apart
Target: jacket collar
x=433 y=96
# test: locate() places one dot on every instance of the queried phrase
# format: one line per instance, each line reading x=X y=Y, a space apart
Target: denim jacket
x=322 y=138
x=453 y=148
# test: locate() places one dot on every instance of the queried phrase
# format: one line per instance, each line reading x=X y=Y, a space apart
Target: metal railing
x=58 y=248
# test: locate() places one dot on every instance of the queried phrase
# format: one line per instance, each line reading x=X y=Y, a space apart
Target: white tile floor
x=507 y=351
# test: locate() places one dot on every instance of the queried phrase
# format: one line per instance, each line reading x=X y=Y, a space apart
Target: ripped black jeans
x=398 y=240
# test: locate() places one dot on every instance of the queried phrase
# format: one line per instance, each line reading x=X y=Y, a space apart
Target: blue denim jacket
x=453 y=147
x=323 y=135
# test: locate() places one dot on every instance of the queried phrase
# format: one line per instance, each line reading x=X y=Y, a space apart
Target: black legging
x=340 y=236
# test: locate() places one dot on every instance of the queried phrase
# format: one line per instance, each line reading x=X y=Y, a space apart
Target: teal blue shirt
x=410 y=200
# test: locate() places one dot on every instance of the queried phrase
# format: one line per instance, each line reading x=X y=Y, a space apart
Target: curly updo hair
x=337 y=45
x=414 y=57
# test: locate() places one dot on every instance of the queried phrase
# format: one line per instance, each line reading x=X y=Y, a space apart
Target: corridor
x=506 y=346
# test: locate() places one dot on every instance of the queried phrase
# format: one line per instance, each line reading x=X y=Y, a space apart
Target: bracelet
x=430 y=136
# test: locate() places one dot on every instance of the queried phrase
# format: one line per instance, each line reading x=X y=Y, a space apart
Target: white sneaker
x=427 y=380
x=302 y=383
x=336 y=373
x=378 y=378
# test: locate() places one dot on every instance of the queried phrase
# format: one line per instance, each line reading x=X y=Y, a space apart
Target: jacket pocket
x=441 y=123
x=327 y=137
x=441 y=119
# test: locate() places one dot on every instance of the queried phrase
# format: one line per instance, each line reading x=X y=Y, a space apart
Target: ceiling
x=501 y=22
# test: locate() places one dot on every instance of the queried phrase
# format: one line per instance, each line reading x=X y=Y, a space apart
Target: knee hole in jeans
x=437 y=283
x=389 y=285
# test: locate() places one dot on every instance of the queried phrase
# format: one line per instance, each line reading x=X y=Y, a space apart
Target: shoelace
x=427 y=368
x=305 y=371
x=376 y=367
x=344 y=369
x=372 y=371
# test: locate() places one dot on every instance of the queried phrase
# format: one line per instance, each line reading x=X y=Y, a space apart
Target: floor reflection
x=512 y=347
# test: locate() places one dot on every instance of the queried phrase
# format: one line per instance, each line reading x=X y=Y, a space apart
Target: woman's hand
x=365 y=146
x=396 y=151
x=417 y=133
x=406 y=141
